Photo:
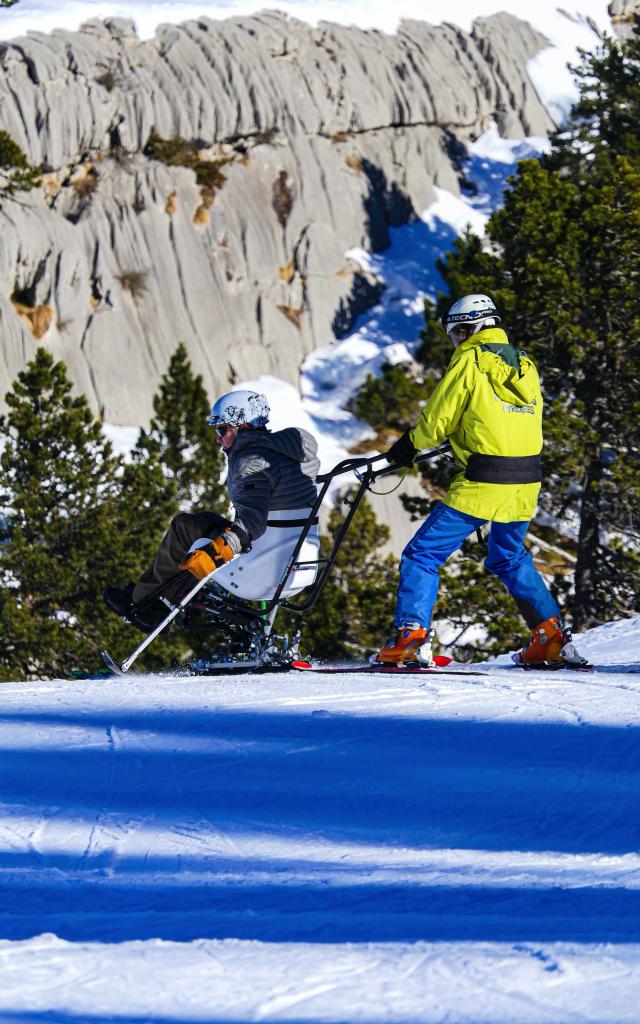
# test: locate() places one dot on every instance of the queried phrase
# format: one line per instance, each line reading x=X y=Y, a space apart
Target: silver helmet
x=478 y=311
x=237 y=408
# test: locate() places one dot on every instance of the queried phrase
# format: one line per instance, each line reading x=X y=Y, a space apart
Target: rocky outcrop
x=301 y=142
x=623 y=14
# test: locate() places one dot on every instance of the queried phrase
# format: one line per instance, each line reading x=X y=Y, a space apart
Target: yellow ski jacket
x=488 y=406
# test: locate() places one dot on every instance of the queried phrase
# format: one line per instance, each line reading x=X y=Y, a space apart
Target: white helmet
x=477 y=310
x=239 y=407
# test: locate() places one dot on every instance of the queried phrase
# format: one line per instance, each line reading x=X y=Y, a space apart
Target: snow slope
x=344 y=848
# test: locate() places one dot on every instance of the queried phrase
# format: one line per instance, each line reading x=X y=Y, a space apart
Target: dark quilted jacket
x=269 y=472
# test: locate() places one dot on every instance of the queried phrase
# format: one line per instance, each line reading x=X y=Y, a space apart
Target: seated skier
x=271 y=483
x=489 y=406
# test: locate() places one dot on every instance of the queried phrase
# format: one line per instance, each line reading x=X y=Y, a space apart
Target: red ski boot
x=550 y=644
x=412 y=643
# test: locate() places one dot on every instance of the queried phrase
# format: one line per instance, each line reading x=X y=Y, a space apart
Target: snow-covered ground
x=324 y=848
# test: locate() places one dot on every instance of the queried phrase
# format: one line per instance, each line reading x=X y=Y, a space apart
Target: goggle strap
x=475 y=314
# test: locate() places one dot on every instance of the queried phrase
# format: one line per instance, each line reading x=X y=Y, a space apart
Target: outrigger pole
x=128 y=662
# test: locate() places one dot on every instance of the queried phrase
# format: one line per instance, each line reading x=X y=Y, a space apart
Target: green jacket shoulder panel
x=508 y=353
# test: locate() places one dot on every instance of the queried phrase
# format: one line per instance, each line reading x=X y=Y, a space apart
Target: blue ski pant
x=440 y=535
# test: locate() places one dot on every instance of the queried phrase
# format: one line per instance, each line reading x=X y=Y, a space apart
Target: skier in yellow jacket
x=488 y=406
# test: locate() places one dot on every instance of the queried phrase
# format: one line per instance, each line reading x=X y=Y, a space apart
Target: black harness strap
x=504 y=469
x=284 y=524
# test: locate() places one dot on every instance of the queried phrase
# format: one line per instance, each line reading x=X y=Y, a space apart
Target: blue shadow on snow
x=408 y=783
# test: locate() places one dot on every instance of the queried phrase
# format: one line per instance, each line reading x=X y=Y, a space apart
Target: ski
x=544 y=666
x=442 y=668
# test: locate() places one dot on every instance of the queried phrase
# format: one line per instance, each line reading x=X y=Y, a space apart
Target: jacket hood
x=294 y=442
x=512 y=385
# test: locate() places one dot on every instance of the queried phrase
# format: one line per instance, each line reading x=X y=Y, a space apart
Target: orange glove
x=204 y=560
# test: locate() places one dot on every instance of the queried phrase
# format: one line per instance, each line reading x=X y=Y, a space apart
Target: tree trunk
x=586 y=610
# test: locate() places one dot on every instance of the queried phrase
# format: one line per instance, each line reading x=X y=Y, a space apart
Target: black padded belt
x=284 y=524
x=504 y=469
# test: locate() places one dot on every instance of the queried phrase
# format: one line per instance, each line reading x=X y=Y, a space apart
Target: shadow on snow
x=385 y=782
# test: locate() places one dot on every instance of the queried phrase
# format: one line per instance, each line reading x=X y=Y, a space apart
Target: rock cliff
x=204 y=186
x=623 y=14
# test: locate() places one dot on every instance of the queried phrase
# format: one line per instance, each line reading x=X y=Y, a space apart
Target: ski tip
x=442 y=661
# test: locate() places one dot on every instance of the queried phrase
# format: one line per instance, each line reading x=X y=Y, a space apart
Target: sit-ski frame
x=364 y=470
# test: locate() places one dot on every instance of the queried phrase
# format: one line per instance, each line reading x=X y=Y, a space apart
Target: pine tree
x=607 y=113
x=577 y=279
x=354 y=612
x=392 y=401
x=181 y=439
x=67 y=527
x=20 y=176
x=434 y=350
x=143 y=506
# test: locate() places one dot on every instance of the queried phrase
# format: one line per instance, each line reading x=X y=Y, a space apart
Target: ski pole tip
x=112 y=665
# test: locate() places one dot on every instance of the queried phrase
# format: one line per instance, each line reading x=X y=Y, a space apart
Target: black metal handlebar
x=366 y=478
x=348 y=466
x=353 y=464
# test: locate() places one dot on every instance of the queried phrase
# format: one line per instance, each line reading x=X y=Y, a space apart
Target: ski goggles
x=221 y=428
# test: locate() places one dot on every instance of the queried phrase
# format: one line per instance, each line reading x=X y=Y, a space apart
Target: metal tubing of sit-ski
x=366 y=474
x=128 y=662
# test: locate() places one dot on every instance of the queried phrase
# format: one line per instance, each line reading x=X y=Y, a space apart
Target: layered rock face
x=298 y=144
x=623 y=14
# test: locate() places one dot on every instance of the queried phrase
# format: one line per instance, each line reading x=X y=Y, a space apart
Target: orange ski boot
x=550 y=643
x=412 y=643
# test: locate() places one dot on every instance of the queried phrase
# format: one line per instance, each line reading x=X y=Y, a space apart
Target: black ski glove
x=403 y=452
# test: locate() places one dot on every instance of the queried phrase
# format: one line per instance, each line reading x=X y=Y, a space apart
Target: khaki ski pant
x=184 y=529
